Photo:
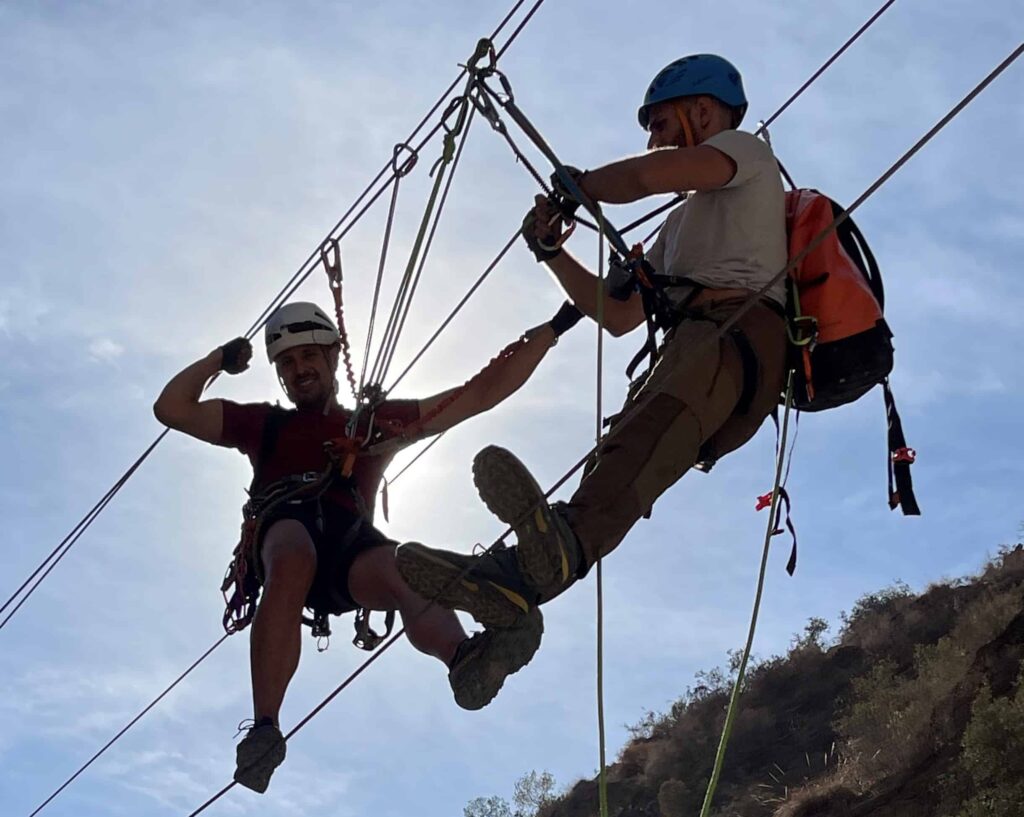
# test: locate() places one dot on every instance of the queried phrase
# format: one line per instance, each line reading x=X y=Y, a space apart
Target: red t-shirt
x=299 y=445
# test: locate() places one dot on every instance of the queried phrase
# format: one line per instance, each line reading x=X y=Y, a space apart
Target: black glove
x=565 y=319
x=560 y=190
x=235 y=356
x=533 y=241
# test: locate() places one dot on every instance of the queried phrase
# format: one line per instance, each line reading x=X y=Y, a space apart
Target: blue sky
x=167 y=166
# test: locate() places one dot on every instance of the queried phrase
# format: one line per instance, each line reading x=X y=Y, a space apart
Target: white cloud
x=104 y=350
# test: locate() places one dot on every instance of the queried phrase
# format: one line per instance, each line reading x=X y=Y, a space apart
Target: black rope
x=385 y=244
x=825 y=66
x=296 y=280
x=720 y=332
x=83 y=525
x=410 y=283
x=458 y=307
x=130 y=724
x=258 y=323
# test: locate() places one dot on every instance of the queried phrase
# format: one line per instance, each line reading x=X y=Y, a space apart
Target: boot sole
x=446 y=584
x=481 y=677
x=511 y=493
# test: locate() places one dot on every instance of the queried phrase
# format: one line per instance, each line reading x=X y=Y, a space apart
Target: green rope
x=730 y=716
x=602 y=785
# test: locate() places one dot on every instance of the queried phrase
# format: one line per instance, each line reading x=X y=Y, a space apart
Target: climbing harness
x=901 y=457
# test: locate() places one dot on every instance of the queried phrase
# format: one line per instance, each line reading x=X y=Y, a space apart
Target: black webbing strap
x=901 y=457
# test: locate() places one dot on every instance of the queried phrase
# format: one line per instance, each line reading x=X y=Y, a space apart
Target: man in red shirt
x=314 y=544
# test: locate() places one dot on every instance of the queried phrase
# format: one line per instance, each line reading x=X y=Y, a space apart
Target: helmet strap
x=685 y=122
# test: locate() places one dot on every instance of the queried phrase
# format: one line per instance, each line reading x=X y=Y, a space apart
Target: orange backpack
x=837 y=327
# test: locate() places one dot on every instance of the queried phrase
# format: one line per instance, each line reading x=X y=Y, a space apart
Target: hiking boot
x=257 y=755
x=484 y=661
x=547 y=550
x=487 y=586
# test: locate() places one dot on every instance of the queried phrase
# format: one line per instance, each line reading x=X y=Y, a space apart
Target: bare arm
x=579 y=283
x=179 y=406
x=498 y=381
x=661 y=171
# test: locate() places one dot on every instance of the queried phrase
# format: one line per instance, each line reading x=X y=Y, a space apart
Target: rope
x=722 y=329
x=730 y=715
x=293 y=283
x=195 y=664
x=825 y=66
x=602 y=785
x=763 y=126
x=407 y=167
x=417 y=260
x=76 y=533
x=130 y=724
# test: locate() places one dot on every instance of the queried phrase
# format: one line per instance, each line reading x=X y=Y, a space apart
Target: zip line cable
x=305 y=269
x=742 y=310
x=188 y=671
x=130 y=724
x=709 y=339
x=415 y=132
x=294 y=282
x=825 y=66
x=480 y=281
x=763 y=126
x=69 y=541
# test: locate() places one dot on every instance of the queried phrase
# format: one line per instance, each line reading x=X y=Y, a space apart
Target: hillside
x=915 y=710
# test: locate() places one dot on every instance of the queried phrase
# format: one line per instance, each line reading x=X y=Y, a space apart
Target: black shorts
x=339 y=536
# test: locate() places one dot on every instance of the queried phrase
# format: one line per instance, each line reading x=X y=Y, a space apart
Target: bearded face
x=307 y=373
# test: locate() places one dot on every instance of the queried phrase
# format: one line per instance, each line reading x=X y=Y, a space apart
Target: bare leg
x=289 y=559
x=374 y=583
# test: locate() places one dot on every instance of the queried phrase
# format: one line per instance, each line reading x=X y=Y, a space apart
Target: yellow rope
x=602 y=786
x=730 y=715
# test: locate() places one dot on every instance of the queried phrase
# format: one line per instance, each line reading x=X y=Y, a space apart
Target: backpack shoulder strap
x=856 y=246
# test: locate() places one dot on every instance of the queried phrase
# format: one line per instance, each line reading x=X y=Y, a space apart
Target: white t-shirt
x=733 y=237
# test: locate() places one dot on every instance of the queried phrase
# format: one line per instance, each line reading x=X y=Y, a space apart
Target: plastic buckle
x=905 y=454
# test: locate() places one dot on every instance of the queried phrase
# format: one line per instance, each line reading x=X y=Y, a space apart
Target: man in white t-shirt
x=704 y=396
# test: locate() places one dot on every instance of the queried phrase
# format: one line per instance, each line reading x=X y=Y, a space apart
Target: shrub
x=993 y=756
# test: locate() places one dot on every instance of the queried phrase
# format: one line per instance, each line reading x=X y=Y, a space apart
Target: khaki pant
x=687 y=409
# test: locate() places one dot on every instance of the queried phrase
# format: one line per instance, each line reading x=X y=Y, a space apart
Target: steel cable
x=289 y=288
x=709 y=339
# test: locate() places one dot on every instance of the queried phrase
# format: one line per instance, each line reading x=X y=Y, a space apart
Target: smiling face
x=307 y=373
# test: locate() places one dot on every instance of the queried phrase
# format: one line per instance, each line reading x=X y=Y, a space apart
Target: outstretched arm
x=668 y=170
x=179 y=406
x=501 y=378
x=579 y=283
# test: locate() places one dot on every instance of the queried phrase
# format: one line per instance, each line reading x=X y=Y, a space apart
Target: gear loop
x=405 y=168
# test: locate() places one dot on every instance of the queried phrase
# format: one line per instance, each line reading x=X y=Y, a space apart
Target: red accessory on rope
x=908 y=455
x=764 y=501
x=413 y=428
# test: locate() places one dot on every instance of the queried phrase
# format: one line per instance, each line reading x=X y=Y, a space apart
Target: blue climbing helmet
x=696 y=75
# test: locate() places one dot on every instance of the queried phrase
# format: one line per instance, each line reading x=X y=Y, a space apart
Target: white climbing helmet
x=297 y=324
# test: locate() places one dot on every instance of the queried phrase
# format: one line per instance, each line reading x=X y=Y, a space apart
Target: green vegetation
x=915 y=708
